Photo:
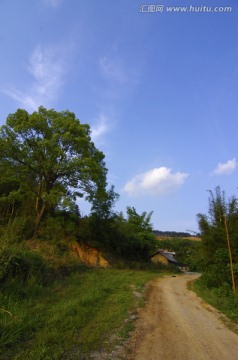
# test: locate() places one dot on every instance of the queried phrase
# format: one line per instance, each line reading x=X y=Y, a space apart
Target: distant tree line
x=174 y=234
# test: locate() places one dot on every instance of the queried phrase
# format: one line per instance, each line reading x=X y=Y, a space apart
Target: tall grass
x=70 y=318
x=222 y=298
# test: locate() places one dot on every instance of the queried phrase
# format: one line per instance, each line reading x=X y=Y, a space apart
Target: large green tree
x=51 y=159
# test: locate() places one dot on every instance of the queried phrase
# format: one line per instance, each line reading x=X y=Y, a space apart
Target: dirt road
x=177 y=325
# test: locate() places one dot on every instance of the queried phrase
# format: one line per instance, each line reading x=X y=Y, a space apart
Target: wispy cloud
x=226 y=168
x=158 y=182
x=53 y=3
x=113 y=70
x=46 y=66
x=118 y=79
x=100 y=127
x=119 y=75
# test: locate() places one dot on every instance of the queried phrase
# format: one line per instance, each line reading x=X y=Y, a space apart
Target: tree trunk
x=39 y=216
x=39 y=211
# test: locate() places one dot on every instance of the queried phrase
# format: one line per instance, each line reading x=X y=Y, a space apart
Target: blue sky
x=158 y=88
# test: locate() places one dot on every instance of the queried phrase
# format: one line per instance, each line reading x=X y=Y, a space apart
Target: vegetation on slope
x=88 y=310
x=219 y=253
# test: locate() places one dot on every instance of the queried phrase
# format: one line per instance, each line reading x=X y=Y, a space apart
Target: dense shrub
x=218 y=275
x=20 y=263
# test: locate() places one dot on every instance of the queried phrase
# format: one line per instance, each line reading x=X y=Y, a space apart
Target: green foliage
x=129 y=238
x=217 y=267
x=212 y=226
x=104 y=201
x=60 y=225
x=132 y=237
x=47 y=161
x=187 y=251
x=20 y=263
x=48 y=157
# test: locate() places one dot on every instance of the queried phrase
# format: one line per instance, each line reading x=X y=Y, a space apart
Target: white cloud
x=100 y=127
x=158 y=182
x=47 y=67
x=226 y=168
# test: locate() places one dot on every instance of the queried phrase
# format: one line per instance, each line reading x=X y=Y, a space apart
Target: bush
x=20 y=263
x=216 y=275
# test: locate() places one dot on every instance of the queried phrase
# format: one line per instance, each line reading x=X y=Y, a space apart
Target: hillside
x=55 y=307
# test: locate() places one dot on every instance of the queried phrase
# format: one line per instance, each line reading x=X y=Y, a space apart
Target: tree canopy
x=49 y=157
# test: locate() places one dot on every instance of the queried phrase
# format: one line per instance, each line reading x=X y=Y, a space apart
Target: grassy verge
x=221 y=298
x=70 y=318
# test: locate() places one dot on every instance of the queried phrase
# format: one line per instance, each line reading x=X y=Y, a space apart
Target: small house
x=167 y=257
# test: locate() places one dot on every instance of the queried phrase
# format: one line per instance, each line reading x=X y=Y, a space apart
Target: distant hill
x=174 y=234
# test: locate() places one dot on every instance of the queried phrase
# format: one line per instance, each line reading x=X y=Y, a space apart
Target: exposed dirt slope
x=176 y=324
x=89 y=255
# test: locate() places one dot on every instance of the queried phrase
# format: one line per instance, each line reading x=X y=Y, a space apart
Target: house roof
x=167 y=254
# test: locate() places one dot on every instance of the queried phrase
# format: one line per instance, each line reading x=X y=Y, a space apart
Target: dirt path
x=177 y=325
